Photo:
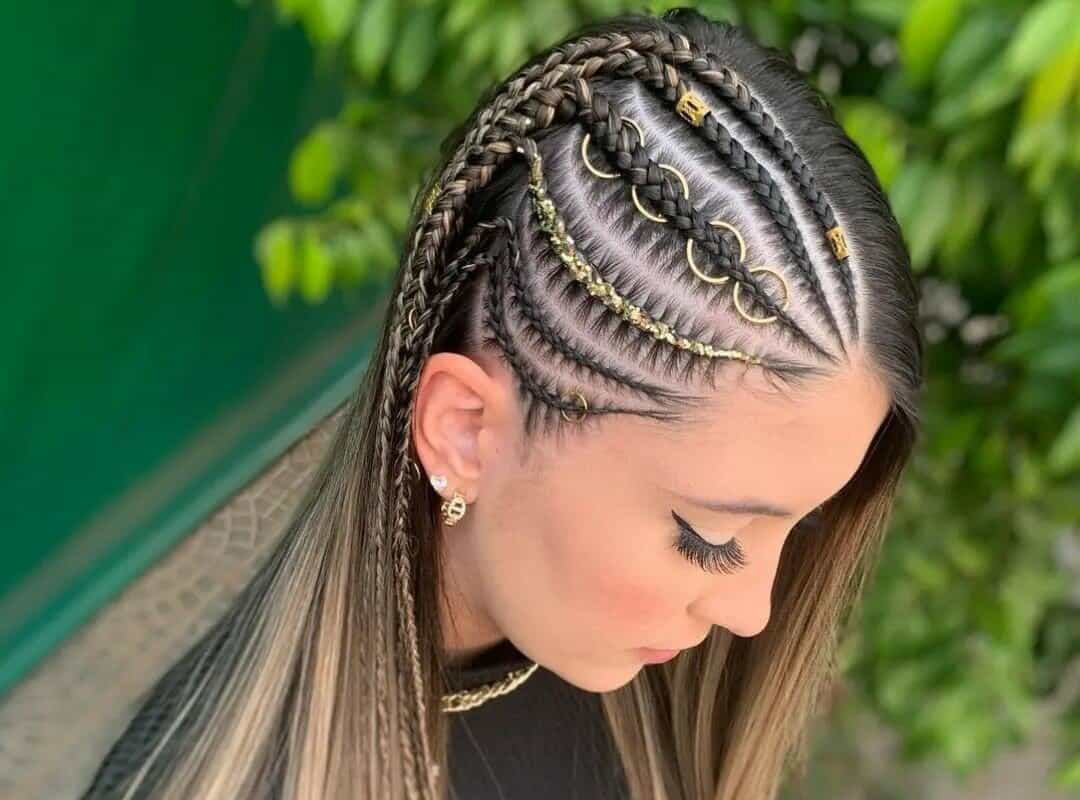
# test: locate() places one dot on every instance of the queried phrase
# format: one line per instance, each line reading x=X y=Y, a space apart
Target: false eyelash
x=726 y=557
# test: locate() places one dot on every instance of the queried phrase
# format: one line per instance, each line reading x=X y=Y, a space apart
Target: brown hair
x=324 y=678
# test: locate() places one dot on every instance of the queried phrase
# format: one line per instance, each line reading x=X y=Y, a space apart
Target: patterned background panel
x=57 y=724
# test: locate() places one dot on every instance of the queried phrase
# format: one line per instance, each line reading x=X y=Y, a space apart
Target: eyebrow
x=745 y=506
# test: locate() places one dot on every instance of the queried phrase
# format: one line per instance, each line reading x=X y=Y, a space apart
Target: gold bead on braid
x=551 y=222
x=693 y=109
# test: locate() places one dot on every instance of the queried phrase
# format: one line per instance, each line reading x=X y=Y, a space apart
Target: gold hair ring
x=693 y=264
x=584 y=408
x=660 y=217
x=554 y=226
x=585 y=156
x=738 y=305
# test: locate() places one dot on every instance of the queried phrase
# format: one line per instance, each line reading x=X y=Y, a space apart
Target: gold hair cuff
x=837 y=242
x=691 y=108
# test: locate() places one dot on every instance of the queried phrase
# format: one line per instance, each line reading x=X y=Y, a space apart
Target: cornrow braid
x=547 y=336
x=606 y=125
x=666 y=82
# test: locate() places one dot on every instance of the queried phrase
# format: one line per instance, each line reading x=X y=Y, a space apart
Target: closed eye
x=721 y=558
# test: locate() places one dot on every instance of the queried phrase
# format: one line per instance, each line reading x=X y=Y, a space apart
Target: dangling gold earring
x=454 y=508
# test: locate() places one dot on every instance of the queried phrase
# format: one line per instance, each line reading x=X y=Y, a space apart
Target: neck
x=467 y=627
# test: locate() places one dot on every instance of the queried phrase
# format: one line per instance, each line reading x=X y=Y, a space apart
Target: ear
x=457 y=411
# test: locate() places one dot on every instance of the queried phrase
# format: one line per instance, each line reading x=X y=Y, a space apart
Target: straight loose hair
x=323 y=679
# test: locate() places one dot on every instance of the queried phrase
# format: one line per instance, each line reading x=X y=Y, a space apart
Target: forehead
x=794 y=450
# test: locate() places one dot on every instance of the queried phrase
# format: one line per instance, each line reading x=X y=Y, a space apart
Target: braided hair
x=545 y=326
x=556 y=234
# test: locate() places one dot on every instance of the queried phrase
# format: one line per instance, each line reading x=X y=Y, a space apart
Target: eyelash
x=726 y=557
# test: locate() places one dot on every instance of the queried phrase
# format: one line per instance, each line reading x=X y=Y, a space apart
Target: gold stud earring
x=453 y=509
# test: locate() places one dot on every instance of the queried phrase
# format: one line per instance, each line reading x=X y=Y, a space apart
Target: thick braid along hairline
x=555 y=90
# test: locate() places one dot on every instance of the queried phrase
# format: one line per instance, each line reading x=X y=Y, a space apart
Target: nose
x=741 y=603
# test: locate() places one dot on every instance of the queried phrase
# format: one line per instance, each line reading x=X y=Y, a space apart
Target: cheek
x=621 y=586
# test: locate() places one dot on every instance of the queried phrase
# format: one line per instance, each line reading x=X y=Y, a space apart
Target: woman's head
x=585 y=345
x=581 y=439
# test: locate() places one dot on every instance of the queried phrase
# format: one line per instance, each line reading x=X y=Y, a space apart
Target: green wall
x=143 y=372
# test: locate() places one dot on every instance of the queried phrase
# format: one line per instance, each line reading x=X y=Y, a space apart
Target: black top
x=544 y=739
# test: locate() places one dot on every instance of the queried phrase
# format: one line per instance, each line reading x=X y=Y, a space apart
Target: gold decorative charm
x=584 y=408
x=837 y=242
x=551 y=222
x=453 y=509
x=692 y=108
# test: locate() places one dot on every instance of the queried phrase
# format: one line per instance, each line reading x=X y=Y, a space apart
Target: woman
x=648 y=382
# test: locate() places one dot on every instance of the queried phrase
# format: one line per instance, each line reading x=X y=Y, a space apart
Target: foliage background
x=969 y=113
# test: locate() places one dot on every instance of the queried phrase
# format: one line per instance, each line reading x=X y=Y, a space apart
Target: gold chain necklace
x=471 y=698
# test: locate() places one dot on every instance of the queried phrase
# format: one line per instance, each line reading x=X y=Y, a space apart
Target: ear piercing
x=454 y=508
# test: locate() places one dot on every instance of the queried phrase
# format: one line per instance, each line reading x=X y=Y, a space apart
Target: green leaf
x=415 y=50
x=1060 y=214
x=992 y=88
x=930 y=214
x=317 y=163
x=288 y=9
x=927 y=28
x=879 y=133
x=316 y=267
x=907 y=190
x=510 y=46
x=276 y=255
x=1064 y=456
x=372 y=37
x=1032 y=306
x=972 y=204
x=980 y=37
x=1049 y=91
x=1045 y=29
x=890 y=13
x=461 y=15
x=1014 y=223
x=329 y=20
